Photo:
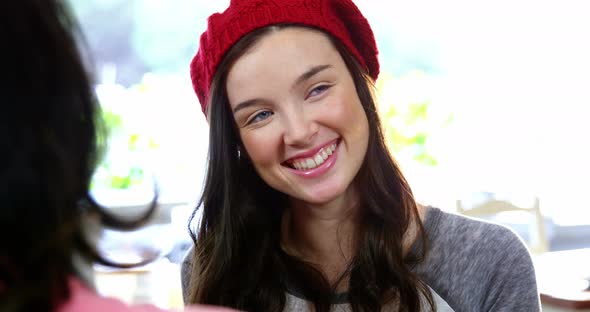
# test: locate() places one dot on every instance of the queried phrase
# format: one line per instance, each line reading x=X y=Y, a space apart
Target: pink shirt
x=85 y=299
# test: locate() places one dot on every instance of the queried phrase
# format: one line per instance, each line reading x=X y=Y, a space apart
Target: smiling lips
x=315 y=160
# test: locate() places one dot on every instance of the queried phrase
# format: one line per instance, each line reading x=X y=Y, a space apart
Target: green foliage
x=134 y=177
x=112 y=120
x=410 y=135
x=122 y=171
x=408 y=120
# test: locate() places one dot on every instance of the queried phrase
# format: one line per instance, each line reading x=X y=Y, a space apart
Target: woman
x=50 y=129
x=303 y=207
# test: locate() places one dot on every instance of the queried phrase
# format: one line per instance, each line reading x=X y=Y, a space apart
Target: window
x=475 y=97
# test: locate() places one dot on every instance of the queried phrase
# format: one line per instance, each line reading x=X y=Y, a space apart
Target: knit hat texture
x=340 y=18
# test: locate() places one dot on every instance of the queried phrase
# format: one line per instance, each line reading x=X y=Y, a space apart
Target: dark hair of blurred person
x=51 y=137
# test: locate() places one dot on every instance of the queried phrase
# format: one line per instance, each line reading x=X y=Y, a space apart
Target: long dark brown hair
x=237 y=259
x=51 y=137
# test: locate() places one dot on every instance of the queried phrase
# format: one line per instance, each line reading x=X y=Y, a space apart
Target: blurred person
x=51 y=137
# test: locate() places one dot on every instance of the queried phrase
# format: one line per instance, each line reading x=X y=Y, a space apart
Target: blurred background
x=483 y=102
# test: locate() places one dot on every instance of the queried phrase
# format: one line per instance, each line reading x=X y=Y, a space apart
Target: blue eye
x=318 y=90
x=260 y=116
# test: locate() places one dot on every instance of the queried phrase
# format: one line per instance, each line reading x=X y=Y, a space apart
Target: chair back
x=537 y=242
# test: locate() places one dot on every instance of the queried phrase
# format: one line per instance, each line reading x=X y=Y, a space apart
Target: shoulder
x=473 y=237
x=186 y=269
x=472 y=263
x=458 y=241
x=187 y=264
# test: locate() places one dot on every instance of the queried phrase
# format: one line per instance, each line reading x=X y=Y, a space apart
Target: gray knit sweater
x=470 y=266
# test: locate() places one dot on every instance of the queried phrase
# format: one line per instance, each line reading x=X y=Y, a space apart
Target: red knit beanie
x=340 y=18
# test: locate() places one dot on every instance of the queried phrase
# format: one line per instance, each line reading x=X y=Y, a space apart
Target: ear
x=242 y=154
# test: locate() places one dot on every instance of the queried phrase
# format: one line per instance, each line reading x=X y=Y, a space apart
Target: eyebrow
x=310 y=73
x=245 y=104
x=301 y=79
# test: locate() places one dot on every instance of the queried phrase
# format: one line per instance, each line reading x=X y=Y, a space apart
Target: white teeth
x=331 y=149
x=318 y=159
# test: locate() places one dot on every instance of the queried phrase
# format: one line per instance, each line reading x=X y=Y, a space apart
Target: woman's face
x=299 y=116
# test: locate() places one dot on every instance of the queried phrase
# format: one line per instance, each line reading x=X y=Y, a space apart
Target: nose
x=299 y=128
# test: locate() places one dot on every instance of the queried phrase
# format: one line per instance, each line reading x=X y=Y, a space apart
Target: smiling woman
x=304 y=208
x=309 y=106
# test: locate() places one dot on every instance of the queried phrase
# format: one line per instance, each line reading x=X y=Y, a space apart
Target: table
x=562 y=278
x=157 y=283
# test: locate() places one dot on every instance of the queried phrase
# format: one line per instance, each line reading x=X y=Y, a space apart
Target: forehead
x=282 y=55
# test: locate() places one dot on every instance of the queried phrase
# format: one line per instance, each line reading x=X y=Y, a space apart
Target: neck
x=323 y=235
x=412 y=232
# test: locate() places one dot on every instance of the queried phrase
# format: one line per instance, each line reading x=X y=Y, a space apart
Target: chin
x=320 y=198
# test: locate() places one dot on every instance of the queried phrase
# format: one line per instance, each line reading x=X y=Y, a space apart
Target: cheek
x=348 y=112
x=262 y=148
